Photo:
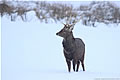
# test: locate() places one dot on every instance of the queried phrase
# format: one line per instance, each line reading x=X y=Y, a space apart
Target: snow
x=32 y=51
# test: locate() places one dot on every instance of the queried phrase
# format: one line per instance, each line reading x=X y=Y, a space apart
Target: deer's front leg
x=68 y=64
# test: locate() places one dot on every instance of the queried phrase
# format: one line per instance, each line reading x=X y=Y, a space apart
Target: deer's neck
x=68 y=43
x=69 y=38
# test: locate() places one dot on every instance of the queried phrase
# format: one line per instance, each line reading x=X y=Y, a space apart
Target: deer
x=73 y=48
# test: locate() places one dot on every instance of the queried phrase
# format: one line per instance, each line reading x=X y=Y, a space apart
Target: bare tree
x=104 y=12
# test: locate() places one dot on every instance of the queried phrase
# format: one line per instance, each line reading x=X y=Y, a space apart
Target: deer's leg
x=68 y=64
x=82 y=62
x=78 y=63
x=74 y=64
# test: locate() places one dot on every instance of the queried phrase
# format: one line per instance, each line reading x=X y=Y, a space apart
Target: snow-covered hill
x=32 y=51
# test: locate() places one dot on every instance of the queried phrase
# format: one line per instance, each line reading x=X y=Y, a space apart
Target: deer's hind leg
x=74 y=64
x=78 y=63
x=82 y=63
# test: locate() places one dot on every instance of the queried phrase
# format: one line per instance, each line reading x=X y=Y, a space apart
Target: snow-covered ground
x=32 y=51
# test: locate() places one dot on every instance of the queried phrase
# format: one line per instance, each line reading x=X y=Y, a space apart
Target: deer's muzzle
x=57 y=33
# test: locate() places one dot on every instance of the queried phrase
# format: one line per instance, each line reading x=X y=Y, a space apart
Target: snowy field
x=32 y=51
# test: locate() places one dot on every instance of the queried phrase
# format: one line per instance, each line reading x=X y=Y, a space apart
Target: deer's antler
x=77 y=20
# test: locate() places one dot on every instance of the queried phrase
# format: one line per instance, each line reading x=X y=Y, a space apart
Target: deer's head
x=66 y=31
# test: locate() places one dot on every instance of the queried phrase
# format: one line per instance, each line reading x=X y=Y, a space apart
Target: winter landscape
x=32 y=51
